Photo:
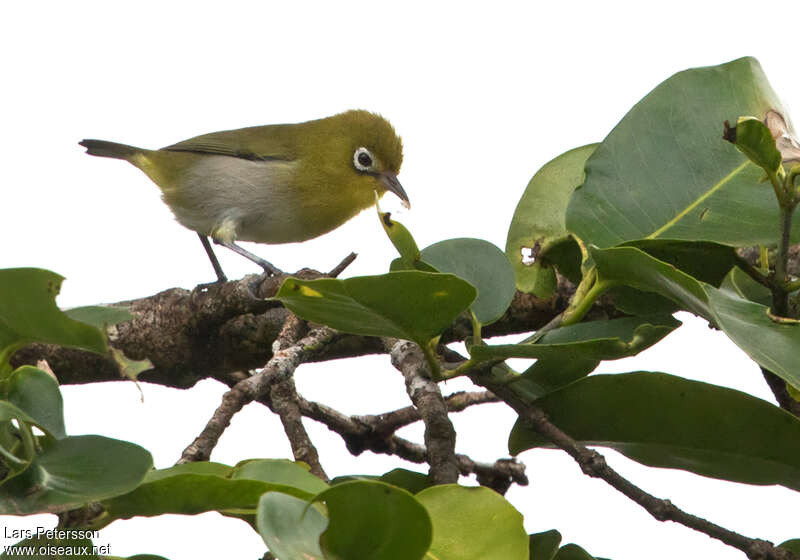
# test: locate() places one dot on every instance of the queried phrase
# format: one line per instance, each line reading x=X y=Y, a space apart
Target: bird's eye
x=362 y=159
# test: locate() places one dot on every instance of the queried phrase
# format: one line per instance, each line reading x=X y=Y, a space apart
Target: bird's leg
x=267 y=266
x=213 y=258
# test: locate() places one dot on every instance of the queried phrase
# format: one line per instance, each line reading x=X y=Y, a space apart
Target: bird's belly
x=232 y=198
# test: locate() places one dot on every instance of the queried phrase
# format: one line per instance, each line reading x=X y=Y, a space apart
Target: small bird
x=271 y=184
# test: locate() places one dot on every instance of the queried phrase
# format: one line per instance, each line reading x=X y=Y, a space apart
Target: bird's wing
x=257 y=143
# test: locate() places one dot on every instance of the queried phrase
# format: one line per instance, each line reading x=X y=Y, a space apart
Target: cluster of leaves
x=652 y=216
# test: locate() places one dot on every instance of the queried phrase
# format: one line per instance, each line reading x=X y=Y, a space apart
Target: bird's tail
x=104 y=148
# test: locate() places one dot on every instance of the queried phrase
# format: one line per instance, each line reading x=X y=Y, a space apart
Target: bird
x=271 y=184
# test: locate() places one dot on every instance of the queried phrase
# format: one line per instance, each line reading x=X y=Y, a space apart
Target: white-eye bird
x=271 y=184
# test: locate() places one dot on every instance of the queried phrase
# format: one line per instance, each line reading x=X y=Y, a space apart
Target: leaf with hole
x=540 y=218
x=28 y=313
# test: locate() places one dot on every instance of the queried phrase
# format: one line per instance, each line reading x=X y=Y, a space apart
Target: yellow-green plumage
x=275 y=183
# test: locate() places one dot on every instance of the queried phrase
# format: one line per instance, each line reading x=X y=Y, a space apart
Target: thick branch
x=213 y=331
x=440 y=435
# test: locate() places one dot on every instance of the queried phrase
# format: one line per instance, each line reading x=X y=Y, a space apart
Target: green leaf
x=481 y=264
x=99 y=316
x=411 y=305
x=411 y=481
x=281 y=472
x=473 y=523
x=665 y=172
x=128 y=368
x=28 y=313
x=72 y=471
x=635 y=268
x=290 y=527
x=543 y=546
x=370 y=519
x=402 y=240
x=662 y=420
x=740 y=284
x=549 y=374
x=772 y=344
x=539 y=220
x=36 y=393
x=198 y=487
x=752 y=137
x=702 y=260
x=592 y=340
x=792 y=545
x=572 y=552
x=51 y=548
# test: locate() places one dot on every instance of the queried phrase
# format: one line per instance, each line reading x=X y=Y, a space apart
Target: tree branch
x=371 y=433
x=285 y=399
x=440 y=435
x=594 y=464
x=219 y=329
x=280 y=366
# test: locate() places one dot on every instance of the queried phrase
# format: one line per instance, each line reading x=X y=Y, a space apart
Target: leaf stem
x=590 y=288
x=433 y=362
x=28 y=443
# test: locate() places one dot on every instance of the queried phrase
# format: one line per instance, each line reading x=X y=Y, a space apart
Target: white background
x=482 y=94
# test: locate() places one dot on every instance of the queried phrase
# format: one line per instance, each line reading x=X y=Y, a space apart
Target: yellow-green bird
x=271 y=184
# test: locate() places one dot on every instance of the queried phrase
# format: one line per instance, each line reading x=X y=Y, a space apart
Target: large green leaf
x=198 y=487
x=461 y=517
x=666 y=421
x=740 y=284
x=592 y=340
x=72 y=471
x=632 y=267
x=28 y=313
x=665 y=171
x=290 y=527
x=540 y=217
x=411 y=305
x=481 y=264
x=373 y=520
x=771 y=343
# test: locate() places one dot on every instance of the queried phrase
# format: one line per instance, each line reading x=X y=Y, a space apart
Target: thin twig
x=285 y=399
x=390 y=422
x=280 y=366
x=339 y=268
x=440 y=435
x=369 y=433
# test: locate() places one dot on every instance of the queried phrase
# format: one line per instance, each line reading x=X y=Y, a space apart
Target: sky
x=482 y=98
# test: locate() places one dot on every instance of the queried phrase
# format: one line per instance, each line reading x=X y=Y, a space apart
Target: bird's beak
x=392 y=185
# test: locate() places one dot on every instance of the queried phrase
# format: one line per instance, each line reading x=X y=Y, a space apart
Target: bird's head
x=363 y=150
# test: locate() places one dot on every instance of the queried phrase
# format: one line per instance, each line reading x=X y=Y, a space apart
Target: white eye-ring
x=362 y=159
